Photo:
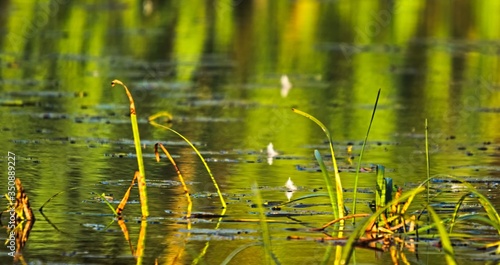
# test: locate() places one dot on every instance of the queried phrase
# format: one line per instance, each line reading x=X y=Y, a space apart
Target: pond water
x=219 y=68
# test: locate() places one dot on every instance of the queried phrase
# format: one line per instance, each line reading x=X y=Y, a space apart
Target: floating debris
x=286 y=85
x=271 y=153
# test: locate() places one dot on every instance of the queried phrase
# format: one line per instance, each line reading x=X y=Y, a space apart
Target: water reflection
x=216 y=66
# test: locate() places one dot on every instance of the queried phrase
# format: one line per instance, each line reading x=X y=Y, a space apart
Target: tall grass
x=358 y=168
x=427 y=160
x=138 y=150
x=338 y=183
x=444 y=237
x=266 y=235
x=330 y=186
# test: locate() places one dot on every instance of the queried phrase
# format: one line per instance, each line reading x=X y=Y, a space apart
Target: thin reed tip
x=116 y=81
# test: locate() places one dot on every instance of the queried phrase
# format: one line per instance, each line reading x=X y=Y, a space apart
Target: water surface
x=216 y=67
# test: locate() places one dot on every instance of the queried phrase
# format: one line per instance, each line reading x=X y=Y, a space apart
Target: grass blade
x=485 y=202
x=427 y=160
x=237 y=251
x=358 y=168
x=123 y=202
x=138 y=149
x=141 y=242
x=52 y=197
x=223 y=202
x=181 y=179
x=445 y=239
x=338 y=182
x=329 y=185
x=456 y=210
x=108 y=204
x=266 y=235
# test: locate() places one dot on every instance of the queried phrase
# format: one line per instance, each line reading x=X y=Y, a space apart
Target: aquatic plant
x=179 y=174
x=367 y=223
x=138 y=150
x=358 y=168
x=152 y=121
x=337 y=197
x=444 y=237
x=266 y=235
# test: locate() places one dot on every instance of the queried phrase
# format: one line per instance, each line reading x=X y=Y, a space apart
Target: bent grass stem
x=138 y=150
x=219 y=193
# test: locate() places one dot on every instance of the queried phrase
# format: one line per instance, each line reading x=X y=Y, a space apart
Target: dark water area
x=229 y=72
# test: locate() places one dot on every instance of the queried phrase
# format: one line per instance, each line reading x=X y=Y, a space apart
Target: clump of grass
x=138 y=150
x=366 y=224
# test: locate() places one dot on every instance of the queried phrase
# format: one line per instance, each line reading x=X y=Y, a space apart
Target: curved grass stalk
x=108 y=204
x=456 y=210
x=138 y=150
x=237 y=251
x=204 y=250
x=475 y=218
x=305 y=197
x=487 y=205
x=338 y=182
x=329 y=185
x=181 y=179
x=152 y=122
x=445 y=238
x=52 y=197
x=358 y=168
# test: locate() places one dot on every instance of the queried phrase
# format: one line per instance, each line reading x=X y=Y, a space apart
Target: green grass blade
x=329 y=184
x=478 y=218
x=207 y=244
x=485 y=202
x=219 y=193
x=427 y=160
x=305 y=197
x=360 y=229
x=179 y=174
x=138 y=148
x=445 y=239
x=108 y=204
x=358 y=168
x=338 y=182
x=455 y=211
x=266 y=235
x=380 y=189
x=52 y=197
x=327 y=256
x=237 y=251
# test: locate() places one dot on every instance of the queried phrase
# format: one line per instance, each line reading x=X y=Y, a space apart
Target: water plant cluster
x=390 y=227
